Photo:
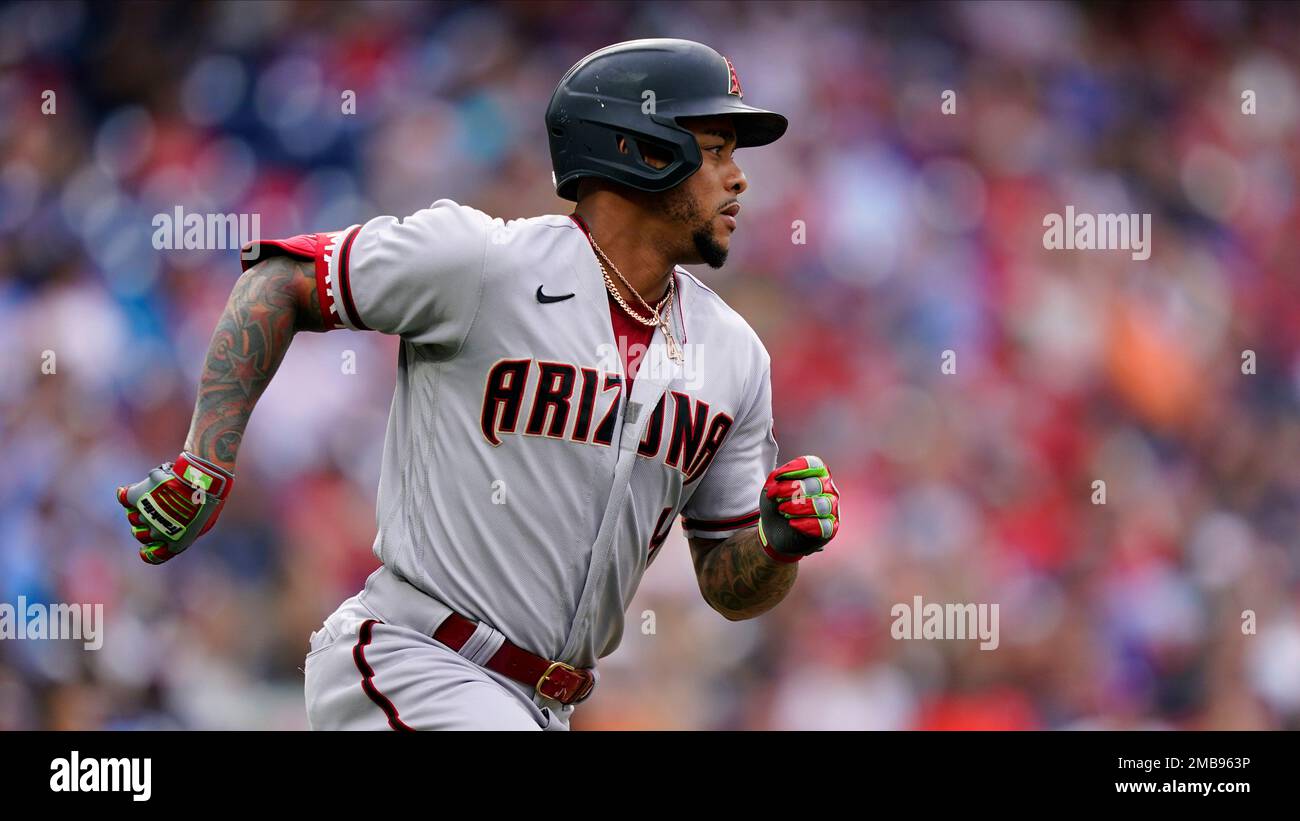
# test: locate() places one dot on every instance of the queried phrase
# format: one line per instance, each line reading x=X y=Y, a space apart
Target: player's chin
x=720 y=233
x=711 y=247
x=724 y=226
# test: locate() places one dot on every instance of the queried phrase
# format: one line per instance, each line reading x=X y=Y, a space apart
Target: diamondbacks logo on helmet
x=735 y=80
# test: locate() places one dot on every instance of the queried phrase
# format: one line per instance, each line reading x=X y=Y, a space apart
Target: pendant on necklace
x=674 y=350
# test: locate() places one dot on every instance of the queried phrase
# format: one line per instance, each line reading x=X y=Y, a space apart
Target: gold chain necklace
x=653 y=319
x=658 y=315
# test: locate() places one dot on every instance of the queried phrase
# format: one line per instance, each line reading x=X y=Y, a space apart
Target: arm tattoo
x=739 y=579
x=269 y=304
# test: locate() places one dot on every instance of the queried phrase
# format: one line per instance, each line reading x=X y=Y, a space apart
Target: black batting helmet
x=639 y=90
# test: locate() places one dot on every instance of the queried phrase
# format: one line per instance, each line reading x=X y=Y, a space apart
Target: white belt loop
x=483 y=644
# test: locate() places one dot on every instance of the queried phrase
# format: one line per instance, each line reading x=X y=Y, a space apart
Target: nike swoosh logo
x=543 y=298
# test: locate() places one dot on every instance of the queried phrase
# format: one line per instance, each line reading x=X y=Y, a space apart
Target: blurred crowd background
x=924 y=235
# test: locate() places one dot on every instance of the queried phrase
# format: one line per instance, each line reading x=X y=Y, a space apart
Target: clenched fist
x=799 y=509
x=177 y=503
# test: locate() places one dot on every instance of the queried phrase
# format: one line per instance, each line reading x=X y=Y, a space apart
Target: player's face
x=705 y=206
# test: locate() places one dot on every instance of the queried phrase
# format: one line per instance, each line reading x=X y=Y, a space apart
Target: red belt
x=553 y=679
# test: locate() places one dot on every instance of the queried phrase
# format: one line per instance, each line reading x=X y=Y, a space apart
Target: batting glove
x=799 y=509
x=176 y=504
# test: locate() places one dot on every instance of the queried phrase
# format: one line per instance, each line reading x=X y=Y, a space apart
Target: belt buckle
x=547 y=674
x=586 y=689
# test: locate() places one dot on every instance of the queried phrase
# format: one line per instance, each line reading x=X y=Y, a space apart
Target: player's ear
x=653 y=156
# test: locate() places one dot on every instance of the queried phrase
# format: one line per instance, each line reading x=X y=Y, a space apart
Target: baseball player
x=565 y=391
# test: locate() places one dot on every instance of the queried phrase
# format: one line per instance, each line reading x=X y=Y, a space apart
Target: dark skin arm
x=737 y=577
x=270 y=303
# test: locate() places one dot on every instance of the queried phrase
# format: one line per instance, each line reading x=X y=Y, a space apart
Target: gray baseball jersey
x=521 y=484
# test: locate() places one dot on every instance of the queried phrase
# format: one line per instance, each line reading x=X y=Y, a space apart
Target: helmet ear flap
x=625 y=154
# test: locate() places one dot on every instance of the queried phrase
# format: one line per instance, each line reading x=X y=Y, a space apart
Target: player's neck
x=636 y=253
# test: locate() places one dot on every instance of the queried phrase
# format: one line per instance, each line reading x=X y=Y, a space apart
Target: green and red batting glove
x=177 y=503
x=799 y=509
